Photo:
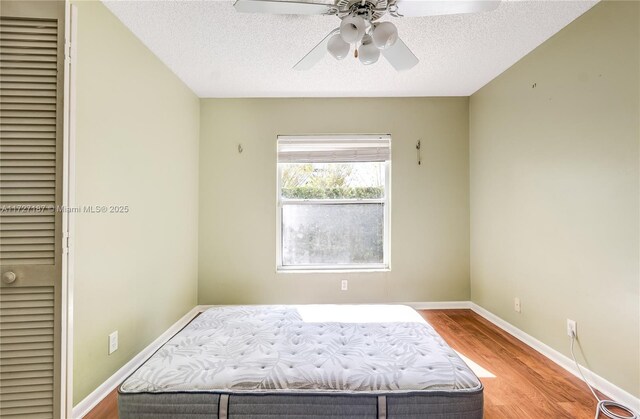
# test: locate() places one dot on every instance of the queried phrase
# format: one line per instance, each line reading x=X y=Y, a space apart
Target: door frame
x=68 y=210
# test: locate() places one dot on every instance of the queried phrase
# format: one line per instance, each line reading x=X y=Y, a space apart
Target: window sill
x=331 y=271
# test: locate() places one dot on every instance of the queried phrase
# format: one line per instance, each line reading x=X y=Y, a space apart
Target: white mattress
x=364 y=349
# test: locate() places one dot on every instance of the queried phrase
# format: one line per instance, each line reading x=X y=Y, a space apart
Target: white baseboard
x=596 y=381
x=97 y=395
x=421 y=305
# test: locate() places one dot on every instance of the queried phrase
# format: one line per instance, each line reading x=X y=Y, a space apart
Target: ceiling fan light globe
x=352 y=29
x=337 y=47
x=384 y=35
x=368 y=53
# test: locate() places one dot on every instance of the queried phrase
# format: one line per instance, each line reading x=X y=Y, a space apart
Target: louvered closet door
x=31 y=90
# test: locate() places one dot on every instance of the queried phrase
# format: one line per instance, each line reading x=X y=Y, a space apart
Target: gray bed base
x=210 y=405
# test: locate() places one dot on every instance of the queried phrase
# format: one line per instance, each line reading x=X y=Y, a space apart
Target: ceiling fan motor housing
x=371 y=9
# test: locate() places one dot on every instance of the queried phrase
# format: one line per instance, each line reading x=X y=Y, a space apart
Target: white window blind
x=333 y=149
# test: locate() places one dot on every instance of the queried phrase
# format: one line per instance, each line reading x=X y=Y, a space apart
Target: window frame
x=329 y=268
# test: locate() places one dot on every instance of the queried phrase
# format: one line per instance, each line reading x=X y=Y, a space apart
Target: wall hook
x=240 y=149
x=418 y=151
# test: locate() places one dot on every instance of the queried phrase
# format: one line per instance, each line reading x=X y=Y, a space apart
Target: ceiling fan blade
x=400 y=56
x=284 y=7
x=415 y=8
x=316 y=54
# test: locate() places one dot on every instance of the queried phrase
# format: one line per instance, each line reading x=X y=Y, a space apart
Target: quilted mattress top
x=309 y=348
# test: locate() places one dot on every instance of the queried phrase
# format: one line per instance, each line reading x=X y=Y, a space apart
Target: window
x=333 y=202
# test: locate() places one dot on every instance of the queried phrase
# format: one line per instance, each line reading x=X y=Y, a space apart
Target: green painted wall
x=429 y=209
x=137 y=145
x=554 y=163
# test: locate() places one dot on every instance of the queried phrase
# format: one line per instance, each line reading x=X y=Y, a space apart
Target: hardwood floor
x=526 y=384
x=519 y=382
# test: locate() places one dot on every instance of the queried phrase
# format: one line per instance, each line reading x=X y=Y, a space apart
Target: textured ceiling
x=219 y=52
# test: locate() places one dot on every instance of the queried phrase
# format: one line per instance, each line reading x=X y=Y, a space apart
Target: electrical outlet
x=572 y=328
x=344 y=286
x=113 y=342
x=516 y=305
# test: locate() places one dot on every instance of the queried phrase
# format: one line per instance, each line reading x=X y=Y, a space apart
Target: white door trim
x=68 y=202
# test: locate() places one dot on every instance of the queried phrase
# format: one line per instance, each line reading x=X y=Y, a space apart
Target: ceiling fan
x=360 y=26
